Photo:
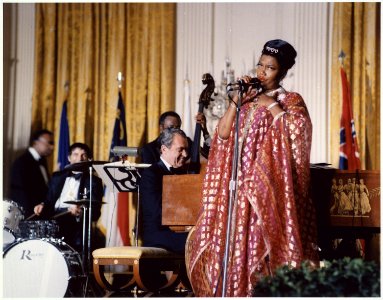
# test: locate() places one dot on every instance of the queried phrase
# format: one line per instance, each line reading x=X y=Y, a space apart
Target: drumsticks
x=30 y=217
x=61 y=214
x=54 y=217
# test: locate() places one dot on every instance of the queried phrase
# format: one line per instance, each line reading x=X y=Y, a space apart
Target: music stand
x=125 y=177
x=122 y=175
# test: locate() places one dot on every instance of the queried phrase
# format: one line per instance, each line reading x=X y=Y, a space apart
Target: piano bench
x=146 y=268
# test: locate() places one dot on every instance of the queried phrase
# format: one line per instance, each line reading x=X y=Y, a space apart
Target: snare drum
x=12 y=217
x=39 y=229
x=42 y=268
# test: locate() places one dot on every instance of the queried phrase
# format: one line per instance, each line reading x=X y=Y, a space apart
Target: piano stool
x=146 y=268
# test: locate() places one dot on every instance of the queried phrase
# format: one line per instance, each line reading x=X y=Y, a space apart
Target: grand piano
x=347 y=205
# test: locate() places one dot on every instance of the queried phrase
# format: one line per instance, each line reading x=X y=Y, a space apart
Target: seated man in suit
x=150 y=153
x=67 y=185
x=29 y=173
x=174 y=147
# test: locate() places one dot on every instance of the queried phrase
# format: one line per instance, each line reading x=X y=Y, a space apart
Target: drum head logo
x=26 y=255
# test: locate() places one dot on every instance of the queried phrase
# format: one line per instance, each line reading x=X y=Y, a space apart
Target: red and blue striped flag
x=349 y=152
x=114 y=220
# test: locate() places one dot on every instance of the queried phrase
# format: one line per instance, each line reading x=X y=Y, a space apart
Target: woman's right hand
x=250 y=93
x=225 y=123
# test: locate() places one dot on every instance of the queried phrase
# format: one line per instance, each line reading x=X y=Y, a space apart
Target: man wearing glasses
x=29 y=172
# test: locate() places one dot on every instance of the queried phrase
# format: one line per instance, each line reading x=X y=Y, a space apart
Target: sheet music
x=122 y=175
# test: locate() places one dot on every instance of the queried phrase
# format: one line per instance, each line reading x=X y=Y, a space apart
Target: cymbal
x=84 y=202
x=84 y=165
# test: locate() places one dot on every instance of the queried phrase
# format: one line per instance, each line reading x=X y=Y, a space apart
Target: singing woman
x=273 y=218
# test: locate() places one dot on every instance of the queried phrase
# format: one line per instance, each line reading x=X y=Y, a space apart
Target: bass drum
x=42 y=268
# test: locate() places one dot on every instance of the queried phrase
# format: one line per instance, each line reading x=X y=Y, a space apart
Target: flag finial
x=120 y=79
x=66 y=88
x=341 y=56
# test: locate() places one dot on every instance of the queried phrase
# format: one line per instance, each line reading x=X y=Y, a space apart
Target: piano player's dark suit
x=154 y=234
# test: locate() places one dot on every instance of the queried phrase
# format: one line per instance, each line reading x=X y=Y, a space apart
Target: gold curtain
x=357 y=32
x=86 y=45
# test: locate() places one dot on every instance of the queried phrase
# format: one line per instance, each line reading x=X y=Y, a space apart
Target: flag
x=119 y=132
x=114 y=220
x=349 y=153
x=62 y=158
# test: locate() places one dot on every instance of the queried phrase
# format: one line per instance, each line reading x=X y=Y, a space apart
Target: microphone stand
x=233 y=189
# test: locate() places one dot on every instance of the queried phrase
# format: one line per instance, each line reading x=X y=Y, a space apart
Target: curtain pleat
x=357 y=32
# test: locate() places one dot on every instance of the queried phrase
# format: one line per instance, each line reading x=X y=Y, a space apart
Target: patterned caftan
x=273 y=219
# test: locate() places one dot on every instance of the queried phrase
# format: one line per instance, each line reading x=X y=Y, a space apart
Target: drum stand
x=86 y=253
x=84 y=230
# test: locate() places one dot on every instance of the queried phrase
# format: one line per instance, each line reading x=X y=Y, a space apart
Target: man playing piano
x=174 y=153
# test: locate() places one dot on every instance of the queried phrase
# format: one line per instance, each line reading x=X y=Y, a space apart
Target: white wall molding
x=18 y=47
x=194 y=55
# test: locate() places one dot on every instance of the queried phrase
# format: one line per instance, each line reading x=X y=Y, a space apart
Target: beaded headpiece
x=282 y=51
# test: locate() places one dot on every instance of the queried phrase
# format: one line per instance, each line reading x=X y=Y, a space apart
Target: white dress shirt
x=167 y=165
x=68 y=193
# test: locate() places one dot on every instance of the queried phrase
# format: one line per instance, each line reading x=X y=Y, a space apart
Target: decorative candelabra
x=217 y=108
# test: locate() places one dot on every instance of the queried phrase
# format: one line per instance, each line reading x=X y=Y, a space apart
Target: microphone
x=241 y=85
x=121 y=150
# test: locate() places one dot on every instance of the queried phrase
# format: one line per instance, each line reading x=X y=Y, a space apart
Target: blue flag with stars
x=63 y=151
x=119 y=132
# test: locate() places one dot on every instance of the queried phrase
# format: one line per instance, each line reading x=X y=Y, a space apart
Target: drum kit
x=36 y=262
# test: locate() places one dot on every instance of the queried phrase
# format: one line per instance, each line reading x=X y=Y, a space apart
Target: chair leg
x=99 y=273
x=149 y=275
x=100 y=276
